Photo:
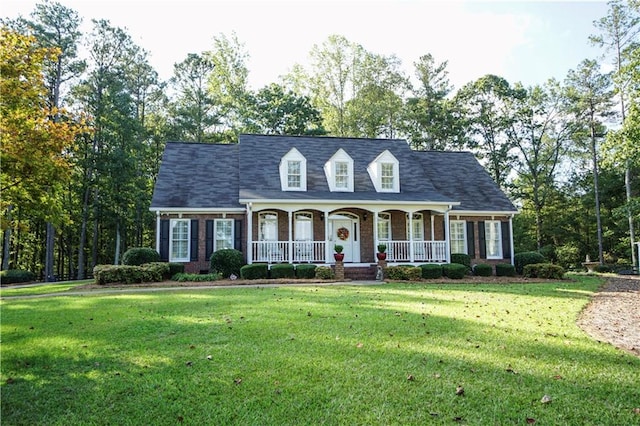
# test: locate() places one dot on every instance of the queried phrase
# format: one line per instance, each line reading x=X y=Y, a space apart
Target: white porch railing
x=278 y=251
x=423 y=251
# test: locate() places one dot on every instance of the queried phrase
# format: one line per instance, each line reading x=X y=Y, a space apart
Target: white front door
x=346 y=233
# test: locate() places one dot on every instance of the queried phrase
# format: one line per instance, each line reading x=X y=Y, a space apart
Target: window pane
x=342 y=174
x=458 y=236
x=493 y=239
x=224 y=233
x=179 y=239
x=418 y=227
x=387 y=176
x=293 y=176
x=303 y=227
x=384 y=227
x=268 y=227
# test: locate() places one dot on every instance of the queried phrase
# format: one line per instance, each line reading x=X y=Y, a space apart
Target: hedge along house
x=291 y=199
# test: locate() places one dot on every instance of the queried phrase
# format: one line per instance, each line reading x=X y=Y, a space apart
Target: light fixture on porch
x=364 y=217
x=321 y=216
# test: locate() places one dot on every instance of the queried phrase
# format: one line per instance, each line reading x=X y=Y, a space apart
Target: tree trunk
x=597 y=194
x=116 y=258
x=49 y=253
x=6 y=243
x=632 y=236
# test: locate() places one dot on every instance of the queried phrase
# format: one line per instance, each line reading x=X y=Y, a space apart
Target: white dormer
x=339 y=172
x=293 y=171
x=385 y=172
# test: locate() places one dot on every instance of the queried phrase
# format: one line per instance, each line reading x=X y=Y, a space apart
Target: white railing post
x=249 y=235
x=446 y=236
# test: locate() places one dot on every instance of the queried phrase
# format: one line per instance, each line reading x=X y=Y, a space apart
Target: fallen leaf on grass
x=530 y=421
x=459 y=391
x=237 y=381
x=557 y=377
x=636 y=410
x=209 y=357
x=359 y=345
x=410 y=378
x=546 y=399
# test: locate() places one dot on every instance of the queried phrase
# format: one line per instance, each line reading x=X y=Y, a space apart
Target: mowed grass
x=390 y=354
x=44 y=288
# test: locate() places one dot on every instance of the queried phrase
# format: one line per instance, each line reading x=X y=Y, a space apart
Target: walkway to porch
x=322 y=251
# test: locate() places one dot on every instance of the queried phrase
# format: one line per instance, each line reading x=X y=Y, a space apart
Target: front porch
x=321 y=252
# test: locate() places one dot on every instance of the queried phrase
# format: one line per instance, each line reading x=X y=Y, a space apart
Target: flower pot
x=338 y=256
x=381 y=256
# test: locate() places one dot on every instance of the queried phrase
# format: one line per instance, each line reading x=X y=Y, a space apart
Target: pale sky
x=527 y=42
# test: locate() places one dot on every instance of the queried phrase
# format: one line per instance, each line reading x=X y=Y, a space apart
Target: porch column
x=158 y=231
x=433 y=228
x=511 y=237
x=290 y=243
x=446 y=236
x=375 y=233
x=249 y=234
x=411 y=250
x=327 y=249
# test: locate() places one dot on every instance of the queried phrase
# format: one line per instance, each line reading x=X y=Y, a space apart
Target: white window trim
x=382 y=218
x=215 y=228
x=487 y=223
x=330 y=171
x=261 y=219
x=309 y=215
x=172 y=222
x=293 y=155
x=417 y=218
x=375 y=171
x=464 y=234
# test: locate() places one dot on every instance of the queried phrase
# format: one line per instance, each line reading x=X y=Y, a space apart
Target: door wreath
x=343 y=233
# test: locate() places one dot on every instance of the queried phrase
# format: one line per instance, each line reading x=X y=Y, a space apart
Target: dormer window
x=339 y=172
x=385 y=172
x=293 y=171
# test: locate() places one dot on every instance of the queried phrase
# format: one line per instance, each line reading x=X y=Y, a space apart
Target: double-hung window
x=223 y=234
x=493 y=239
x=384 y=226
x=294 y=174
x=387 y=176
x=342 y=175
x=458 y=236
x=179 y=240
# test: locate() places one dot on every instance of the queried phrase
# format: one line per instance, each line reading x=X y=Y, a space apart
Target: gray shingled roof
x=461 y=176
x=195 y=175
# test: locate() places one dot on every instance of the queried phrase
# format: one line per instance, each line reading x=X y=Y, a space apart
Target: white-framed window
x=418 y=227
x=293 y=171
x=303 y=227
x=223 y=231
x=339 y=172
x=384 y=226
x=179 y=240
x=493 y=239
x=268 y=226
x=384 y=172
x=458 y=236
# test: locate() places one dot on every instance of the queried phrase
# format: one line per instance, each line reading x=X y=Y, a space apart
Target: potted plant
x=381 y=255
x=338 y=255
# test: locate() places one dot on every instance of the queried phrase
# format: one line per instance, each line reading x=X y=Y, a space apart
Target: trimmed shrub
x=568 y=256
x=527 y=258
x=255 y=271
x=226 y=262
x=462 y=259
x=283 y=270
x=306 y=271
x=544 y=270
x=11 y=276
x=403 y=272
x=324 y=273
x=455 y=271
x=604 y=269
x=129 y=274
x=140 y=255
x=505 y=270
x=182 y=277
x=483 y=270
x=175 y=268
x=431 y=271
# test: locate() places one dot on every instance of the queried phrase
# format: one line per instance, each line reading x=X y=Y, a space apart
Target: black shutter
x=237 y=234
x=164 y=240
x=471 y=240
x=209 y=239
x=482 y=240
x=194 y=239
x=506 y=241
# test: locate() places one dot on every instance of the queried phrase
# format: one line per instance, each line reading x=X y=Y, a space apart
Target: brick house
x=293 y=198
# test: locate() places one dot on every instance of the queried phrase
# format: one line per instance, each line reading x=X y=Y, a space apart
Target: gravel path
x=613 y=315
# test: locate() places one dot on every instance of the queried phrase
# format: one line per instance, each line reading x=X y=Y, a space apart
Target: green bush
x=527 y=258
x=226 y=262
x=462 y=259
x=255 y=271
x=140 y=255
x=483 y=270
x=306 y=271
x=505 y=270
x=324 y=273
x=175 y=268
x=403 y=272
x=455 y=271
x=283 y=270
x=431 y=271
x=182 y=277
x=544 y=270
x=129 y=274
x=11 y=276
x=568 y=256
x=604 y=269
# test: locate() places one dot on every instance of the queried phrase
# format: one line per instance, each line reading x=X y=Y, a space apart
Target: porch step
x=360 y=273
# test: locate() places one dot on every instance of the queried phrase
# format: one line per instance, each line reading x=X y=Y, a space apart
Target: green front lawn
x=384 y=354
x=44 y=288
